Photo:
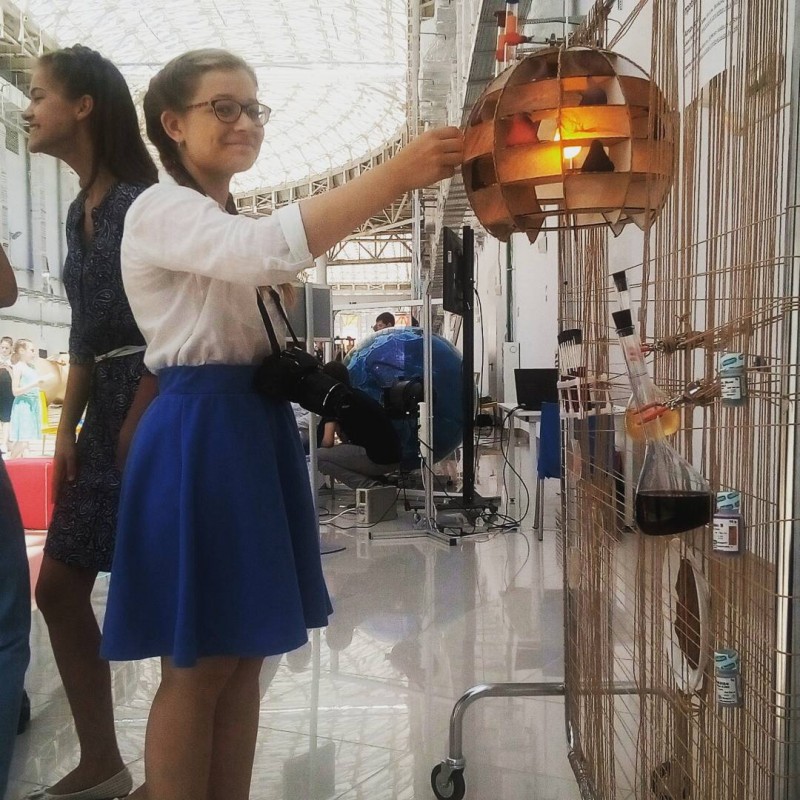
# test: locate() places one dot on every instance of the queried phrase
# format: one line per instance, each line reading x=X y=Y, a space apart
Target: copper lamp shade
x=569 y=134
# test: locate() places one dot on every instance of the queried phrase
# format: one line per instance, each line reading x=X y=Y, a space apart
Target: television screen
x=452 y=272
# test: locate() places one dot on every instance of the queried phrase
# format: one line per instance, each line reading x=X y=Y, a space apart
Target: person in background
x=6 y=395
x=346 y=462
x=26 y=415
x=382 y=321
x=328 y=429
x=15 y=590
x=81 y=112
x=217 y=561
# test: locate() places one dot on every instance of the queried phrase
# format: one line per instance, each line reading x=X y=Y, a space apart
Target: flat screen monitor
x=536 y=386
x=321 y=311
x=452 y=272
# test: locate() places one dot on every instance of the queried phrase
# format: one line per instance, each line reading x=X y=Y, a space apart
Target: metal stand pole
x=787 y=641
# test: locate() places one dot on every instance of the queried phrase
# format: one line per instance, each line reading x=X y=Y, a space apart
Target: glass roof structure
x=333 y=71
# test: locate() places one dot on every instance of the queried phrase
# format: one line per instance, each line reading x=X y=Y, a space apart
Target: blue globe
x=395 y=354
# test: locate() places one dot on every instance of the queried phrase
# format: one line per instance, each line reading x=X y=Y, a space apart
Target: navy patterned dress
x=85 y=518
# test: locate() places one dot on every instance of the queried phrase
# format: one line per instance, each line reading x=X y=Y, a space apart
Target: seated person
x=382 y=321
x=345 y=462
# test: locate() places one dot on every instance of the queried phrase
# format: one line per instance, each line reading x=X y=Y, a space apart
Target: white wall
x=490 y=314
x=534 y=275
x=535 y=299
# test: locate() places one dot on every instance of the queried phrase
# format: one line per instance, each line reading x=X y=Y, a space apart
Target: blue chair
x=548 y=463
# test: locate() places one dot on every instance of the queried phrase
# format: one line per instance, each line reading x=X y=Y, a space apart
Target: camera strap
x=262 y=309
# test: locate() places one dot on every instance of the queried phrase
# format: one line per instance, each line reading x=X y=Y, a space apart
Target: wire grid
x=716 y=260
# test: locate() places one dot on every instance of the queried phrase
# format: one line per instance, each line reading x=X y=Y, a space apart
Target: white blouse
x=191 y=270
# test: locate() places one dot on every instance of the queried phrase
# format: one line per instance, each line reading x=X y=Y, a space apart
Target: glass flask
x=671 y=496
x=511 y=31
x=638 y=418
x=621 y=285
x=500 y=53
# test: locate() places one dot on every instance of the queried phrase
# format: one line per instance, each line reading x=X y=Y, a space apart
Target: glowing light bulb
x=568 y=152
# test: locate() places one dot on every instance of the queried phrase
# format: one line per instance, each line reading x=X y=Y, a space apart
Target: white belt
x=127 y=350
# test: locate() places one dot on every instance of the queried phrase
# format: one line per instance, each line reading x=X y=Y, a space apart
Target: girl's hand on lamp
x=430 y=158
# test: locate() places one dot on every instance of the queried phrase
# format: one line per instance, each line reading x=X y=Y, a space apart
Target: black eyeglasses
x=229 y=110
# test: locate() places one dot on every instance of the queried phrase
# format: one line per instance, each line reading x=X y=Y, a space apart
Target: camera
x=295 y=375
x=402 y=399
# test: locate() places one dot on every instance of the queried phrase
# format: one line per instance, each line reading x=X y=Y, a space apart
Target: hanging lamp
x=576 y=134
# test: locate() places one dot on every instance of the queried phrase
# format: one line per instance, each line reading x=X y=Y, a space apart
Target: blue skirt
x=217 y=551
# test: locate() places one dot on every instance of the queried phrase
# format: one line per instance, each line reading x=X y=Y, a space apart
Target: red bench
x=32 y=482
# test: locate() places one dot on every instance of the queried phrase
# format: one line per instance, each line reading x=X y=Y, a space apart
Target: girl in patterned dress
x=217 y=560
x=81 y=111
x=26 y=418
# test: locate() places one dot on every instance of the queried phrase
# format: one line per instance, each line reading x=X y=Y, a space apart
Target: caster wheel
x=453 y=789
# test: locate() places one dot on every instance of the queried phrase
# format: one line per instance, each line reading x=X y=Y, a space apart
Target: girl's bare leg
x=63 y=594
x=236 y=730
x=180 y=730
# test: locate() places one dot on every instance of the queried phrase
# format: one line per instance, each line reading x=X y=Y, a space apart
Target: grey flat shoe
x=118 y=786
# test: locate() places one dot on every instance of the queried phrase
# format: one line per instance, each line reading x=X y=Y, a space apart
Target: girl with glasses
x=81 y=112
x=217 y=563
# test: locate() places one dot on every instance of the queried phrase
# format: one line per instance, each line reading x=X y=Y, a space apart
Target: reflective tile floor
x=362 y=711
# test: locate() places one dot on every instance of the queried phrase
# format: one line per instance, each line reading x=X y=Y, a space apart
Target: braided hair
x=113 y=125
x=170 y=90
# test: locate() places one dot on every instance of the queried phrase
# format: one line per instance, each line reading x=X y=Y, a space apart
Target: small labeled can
x=733 y=382
x=728 y=677
x=729 y=500
x=728 y=523
x=727 y=533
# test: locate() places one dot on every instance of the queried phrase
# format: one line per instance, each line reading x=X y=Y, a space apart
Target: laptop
x=535 y=386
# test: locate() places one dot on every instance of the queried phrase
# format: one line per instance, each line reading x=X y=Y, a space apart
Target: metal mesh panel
x=645 y=615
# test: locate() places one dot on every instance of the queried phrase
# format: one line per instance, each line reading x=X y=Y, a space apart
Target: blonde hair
x=21 y=344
